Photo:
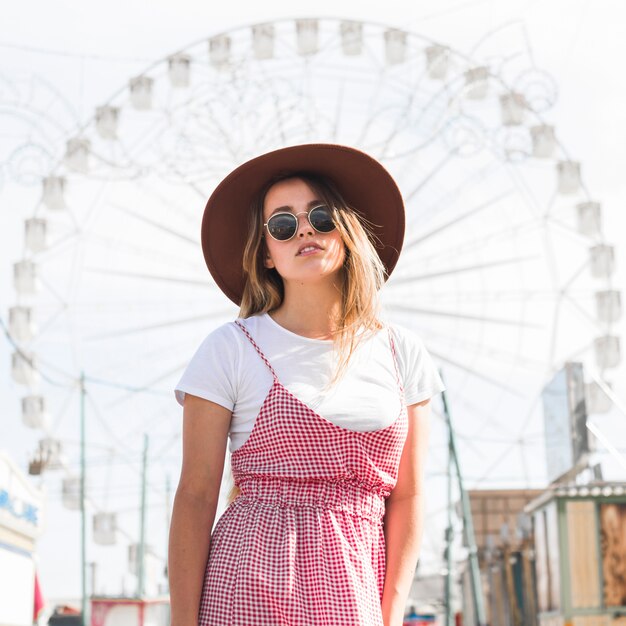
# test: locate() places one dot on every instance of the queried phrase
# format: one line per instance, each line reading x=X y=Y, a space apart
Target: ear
x=267 y=261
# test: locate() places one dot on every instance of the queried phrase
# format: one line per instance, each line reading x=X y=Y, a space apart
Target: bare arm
x=205 y=432
x=404 y=516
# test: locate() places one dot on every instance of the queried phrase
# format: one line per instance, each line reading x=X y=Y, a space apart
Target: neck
x=310 y=310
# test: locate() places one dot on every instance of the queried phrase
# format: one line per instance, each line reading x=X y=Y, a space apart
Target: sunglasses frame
x=295 y=216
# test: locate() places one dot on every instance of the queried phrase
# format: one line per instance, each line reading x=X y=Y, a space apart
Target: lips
x=308 y=248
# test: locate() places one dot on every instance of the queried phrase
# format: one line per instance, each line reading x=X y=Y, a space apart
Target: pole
x=142 y=529
x=468 y=525
x=93 y=566
x=83 y=512
x=448 y=550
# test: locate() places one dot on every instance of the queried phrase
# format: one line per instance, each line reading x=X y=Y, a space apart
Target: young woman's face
x=309 y=256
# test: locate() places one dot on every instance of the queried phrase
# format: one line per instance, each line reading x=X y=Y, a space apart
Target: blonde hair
x=363 y=272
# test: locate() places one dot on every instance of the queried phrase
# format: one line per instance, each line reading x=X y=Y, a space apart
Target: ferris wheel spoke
x=472 y=212
x=519 y=430
x=420 y=121
x=130 y=247
x=442 y=94
x=62 y=301
x=574 y=276
x=504 y=454
x=176 y=205
x=493 y=422
x=106 y=373
x=70 y=397
x=56 y=247
x=309 y=103
x=278 y=118
x=555 y=325
x=154 y=126
x=463 y=316
x=153 y=277
x=497 y=353
x=531 y=201
x=460 y=270
x=122 y=449
x=468 y=438
x=592 y=320
x=459 y=190
x=224 y=137
x=479 y=243
x=477 y=443
x=461 y=367
x=372 y=105
x=439 y=167
x=120 y=444
x=146 y=386
x=339 y=108
x=42 y=364
x=137 y=330
x=152 y=424
x=173 y=439
x=550 y=205
x=274 y=123
x=578 y=351
x=400 y=120
x=498 y=296
x=567 y=229
x=156 y=225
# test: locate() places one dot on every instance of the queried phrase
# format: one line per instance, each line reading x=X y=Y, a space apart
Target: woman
x=326 y=407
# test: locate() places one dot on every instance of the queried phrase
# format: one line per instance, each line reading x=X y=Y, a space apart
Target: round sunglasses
x=284 y=226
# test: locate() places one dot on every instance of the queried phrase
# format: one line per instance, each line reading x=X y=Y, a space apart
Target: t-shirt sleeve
x=420 y=375
x=212 y=372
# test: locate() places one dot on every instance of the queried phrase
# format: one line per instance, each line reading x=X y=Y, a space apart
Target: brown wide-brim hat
x=364 y=183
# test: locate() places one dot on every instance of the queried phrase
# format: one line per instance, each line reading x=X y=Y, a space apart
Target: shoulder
x=412 y=355
x=407 y=342
x=229 y=341
x=225 y=336
x=233 y=338
x=220 y=348
x=213 y=371
x=230 y=331
x=421 y=376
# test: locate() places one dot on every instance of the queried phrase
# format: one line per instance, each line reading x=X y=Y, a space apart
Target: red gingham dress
x=303 y=543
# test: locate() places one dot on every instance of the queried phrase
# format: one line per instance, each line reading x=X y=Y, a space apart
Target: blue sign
x=18 y=508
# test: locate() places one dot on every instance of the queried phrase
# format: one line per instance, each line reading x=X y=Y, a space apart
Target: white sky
x=90 y=49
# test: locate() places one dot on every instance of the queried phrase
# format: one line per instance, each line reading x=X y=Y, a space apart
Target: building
x=580 y=548
x=21 y=519
x=505 y=555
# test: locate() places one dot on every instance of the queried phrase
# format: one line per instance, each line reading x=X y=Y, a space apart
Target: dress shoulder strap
x=254 y=345
x=394 y=354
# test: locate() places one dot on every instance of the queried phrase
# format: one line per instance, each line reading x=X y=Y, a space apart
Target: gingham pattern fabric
x=303 y=544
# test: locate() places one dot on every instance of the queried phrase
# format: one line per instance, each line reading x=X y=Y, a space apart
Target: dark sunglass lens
x=321 y=219
x=282 y=227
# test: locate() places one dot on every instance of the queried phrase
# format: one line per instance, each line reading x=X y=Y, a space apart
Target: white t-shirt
x=227 y=370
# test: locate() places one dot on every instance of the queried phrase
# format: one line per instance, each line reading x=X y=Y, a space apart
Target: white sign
x=17 y=587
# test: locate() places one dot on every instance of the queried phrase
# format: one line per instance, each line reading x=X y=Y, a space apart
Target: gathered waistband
x=341 y=494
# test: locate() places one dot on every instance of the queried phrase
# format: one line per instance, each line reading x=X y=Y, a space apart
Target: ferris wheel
x=505 y=272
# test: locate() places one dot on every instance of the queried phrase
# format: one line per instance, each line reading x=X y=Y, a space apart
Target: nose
x=303 y=224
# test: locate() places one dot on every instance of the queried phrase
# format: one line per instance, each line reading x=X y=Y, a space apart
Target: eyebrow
x=282 y=209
